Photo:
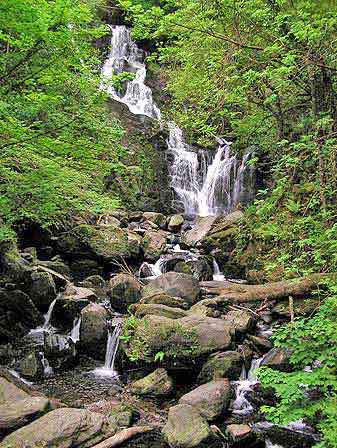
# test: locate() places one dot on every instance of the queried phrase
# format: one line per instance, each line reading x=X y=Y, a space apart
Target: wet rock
x=14 y=415
x=278 y=358
x=18 y=314
x=157 y=218
x=176 y=285
x=185 y=428
x=261 y=343
x=160 y=310
x=239 y=432
x=241 y=321
x=175 y=223
x=64 y=427
x=200 y=229
x=296 y=436
x=162 y=298
x=157 y=384
x=221 y=365
x=42 y=290
x=210 y=399
x=31 y=366
x=60 y=350
x=125 y=290
x=154 y=243
x=93 y=331
x=200 y=268
x=9 y=392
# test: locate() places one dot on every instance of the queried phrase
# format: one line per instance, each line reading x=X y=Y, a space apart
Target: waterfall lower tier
x=110 y=354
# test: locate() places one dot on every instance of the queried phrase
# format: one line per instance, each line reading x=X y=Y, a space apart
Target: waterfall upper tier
x=204 y=182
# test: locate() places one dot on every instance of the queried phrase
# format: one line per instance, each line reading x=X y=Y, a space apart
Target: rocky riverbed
x=140 y=330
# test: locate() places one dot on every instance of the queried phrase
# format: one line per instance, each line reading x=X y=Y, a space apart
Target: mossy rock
x=156 y=384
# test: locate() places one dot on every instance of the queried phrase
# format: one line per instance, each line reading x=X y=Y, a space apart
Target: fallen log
x=296 y=288
x=123 y=436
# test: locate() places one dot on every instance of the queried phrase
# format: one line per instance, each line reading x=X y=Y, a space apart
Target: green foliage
x=118 y=81
x=310 y=391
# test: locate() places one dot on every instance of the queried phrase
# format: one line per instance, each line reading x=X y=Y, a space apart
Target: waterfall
x=125 y=56
x=47 y=369
x=47 y=316
x=204 y=183
x=217 y=274
x=75 y=332
x=111 y=352
x=241 y=404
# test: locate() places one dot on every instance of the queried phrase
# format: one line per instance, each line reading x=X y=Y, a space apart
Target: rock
x=55 y=265
x=31 y=366
x=294 y=435
x=154 y=243
x=62 y=428
x=93 y=331
x=135 y=242
x=160 y=310
x=14 y=415
x=78 y=293
x=210 y=399
x=80 y=269
x=261 y=343
x=102 y=243
x=277 y=358
x=124 y=291
x=185 y=428
x=239 y=432
x=175 y=223
x=18 y=314
x=135 y=216
x=157 y=384
x=122 y=415
x=42 y=290
x=182 y=340
x=15 y=267
x=94 y=281
x=200 y=229
x=162 y=298
x=221 y=365
x=176 y=285
x=157 y=218
x=200 y=268
x=9 y=392
x=60 y=350
x=241 y=321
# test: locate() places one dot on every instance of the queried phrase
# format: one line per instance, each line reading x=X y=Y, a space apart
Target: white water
x=47 y=369
x=270 y=444
x=47 y=316
x=241 y=404
x=204 y=183
x=217 y=274
x=75 y=332
x=110 y=354
x=125 y=56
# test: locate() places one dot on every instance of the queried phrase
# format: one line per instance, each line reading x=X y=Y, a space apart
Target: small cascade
x=47 y=369
x=75 y=332
x=148 y=270
x=241 y=404
x=217 y=274
x=110 y=354
x=47 y=316
x=270 y=444
x=125 y=56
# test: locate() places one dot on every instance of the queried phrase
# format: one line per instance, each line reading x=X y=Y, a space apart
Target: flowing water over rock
x=110 y=354
x=205 y=183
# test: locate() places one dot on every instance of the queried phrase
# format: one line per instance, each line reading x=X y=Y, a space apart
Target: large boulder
x=185 y=428
x=18 y=314
x=181 y=340
x=200 y=268
x=159 y=310
x=42 y=290
x=154 y=243
x=210 y=399
x=175 y=223
x=31 y=366
x=161 y=298
x=93 y=331
x=238 y=432
x=125 y=290
x=14 y=415
x=10 y=392
x=221 y=365
x=157 y=218
x=78 y=293
x=157 y=384
x=240 y=321
x=201 y=228
x=104 y=243
x=174 y=284
x=62 y=428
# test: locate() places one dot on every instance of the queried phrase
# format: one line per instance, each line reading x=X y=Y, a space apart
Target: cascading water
x=75 y=332
x=111 y=352
x=125 y=56
x=204 y=184
x=217 y=274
